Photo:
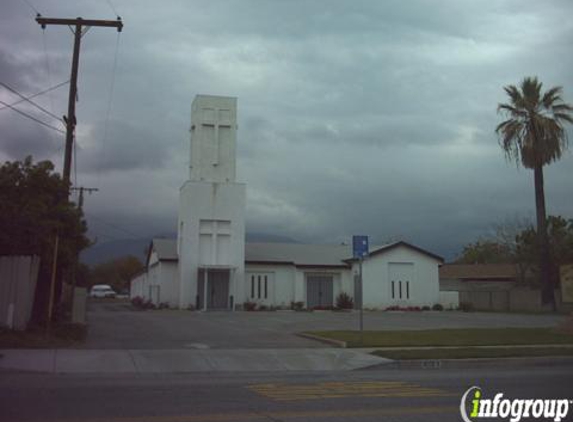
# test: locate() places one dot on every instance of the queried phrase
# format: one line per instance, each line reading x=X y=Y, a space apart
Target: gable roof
x=478 y=271
x=166 y=249
x=297 y=254
x=401 y=243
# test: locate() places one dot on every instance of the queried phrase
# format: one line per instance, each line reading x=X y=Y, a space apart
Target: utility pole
x=77 y=26
x=70 y=119
x=81 y=189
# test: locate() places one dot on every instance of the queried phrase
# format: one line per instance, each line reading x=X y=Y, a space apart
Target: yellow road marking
x=289 y=392
x=310 y=414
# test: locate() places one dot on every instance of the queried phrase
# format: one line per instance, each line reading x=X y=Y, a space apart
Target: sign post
x=359 y=251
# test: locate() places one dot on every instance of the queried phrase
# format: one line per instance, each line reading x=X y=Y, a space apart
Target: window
x=253 y=286
x=266 y=287
x=259 y=287
x=400 y=288
x=393 y=290
x=407 y=290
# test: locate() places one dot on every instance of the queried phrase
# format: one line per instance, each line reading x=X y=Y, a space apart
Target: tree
x=34 y=207
x=560 y=243
x=533 y=134
x=117 y=272
x=485 y=252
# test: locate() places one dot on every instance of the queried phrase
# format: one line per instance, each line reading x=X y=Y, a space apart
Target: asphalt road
x=368 y=395
x=114 y=325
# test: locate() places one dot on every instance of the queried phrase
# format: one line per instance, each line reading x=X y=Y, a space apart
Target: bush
x=466 y=306
x=297 y=306
x=250 y=306
x=425 y=308
x=140 y=303
x=437 y=307
x=344 y=301
x=323 y=308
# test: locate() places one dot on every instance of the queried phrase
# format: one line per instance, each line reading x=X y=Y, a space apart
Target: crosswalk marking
x=333 y=390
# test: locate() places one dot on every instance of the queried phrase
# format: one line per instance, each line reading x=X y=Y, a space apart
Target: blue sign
x=359 y=246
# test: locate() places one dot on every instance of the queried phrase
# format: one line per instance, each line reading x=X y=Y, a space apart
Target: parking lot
x=116 y=325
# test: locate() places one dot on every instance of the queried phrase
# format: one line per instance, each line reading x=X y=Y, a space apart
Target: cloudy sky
x=355 y=117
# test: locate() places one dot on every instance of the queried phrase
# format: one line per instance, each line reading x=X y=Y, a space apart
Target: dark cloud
x=121 y=146
x=363 y=116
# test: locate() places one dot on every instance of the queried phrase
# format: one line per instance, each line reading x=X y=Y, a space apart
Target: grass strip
x=450 y=337
x=472 y=352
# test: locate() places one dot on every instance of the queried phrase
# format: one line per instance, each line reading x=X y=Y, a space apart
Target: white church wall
x=208 y=202
x=281 y=284
x=169 y=284
x=424 y=283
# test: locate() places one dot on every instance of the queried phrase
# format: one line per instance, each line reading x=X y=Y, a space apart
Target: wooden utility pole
x=70 y=119
x=81 y=189
x=77 y=26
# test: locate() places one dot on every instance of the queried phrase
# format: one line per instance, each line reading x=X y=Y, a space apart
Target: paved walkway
x=174 y=361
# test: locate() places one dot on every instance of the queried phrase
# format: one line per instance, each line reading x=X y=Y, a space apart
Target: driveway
x=116 y=325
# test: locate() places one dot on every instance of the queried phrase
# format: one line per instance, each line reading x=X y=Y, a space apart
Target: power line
x=31 y=117
x=36 y=95
x=39 y=107
x=121 y=229
x=112 y=8
x=109 y=103
x=51 y=97
x=31 y=6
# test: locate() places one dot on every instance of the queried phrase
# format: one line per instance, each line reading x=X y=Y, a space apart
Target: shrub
x=137 y=302
x=466 y=306
x=250 y=306
x=425 y=308
x=437 y=307
x=323 y=308
x=393 y=308
x=263 y=308
x=344 y=301
x=297 y=306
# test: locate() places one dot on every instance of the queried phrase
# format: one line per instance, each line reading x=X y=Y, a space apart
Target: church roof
x=166 y=249
x=298 y=254
x=291 y=253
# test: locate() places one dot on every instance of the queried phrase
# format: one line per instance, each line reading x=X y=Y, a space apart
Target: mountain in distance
x=106 y=251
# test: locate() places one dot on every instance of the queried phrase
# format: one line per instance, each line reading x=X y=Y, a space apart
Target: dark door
x=218 y=289
x=319 y=291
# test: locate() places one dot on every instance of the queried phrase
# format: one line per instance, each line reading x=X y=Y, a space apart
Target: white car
x=102 y=290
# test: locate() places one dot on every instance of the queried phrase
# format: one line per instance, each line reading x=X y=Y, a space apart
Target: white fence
x=18 y=278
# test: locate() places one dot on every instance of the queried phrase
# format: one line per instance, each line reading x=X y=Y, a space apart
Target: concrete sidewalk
x=175 y=361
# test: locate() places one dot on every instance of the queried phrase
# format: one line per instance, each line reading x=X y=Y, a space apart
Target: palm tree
x=533 y=134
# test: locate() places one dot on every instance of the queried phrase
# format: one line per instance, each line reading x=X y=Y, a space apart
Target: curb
x=480 y=362
x=337 y=343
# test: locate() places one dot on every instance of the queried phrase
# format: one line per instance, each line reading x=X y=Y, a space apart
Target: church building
x=209 y=265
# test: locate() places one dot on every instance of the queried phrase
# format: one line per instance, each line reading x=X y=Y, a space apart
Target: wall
x=449 y=300
x=137 y=286
x=283 y=279
x=209 y=201
x=169 y=283
x=424 y=289
x=18 y=278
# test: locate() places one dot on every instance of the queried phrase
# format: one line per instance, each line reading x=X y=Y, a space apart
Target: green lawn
x=472 y=352
x=450 y=337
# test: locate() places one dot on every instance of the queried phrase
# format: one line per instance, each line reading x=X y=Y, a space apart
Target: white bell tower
x=211 y=229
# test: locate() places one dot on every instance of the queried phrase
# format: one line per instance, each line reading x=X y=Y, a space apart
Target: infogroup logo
x=514 y=409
